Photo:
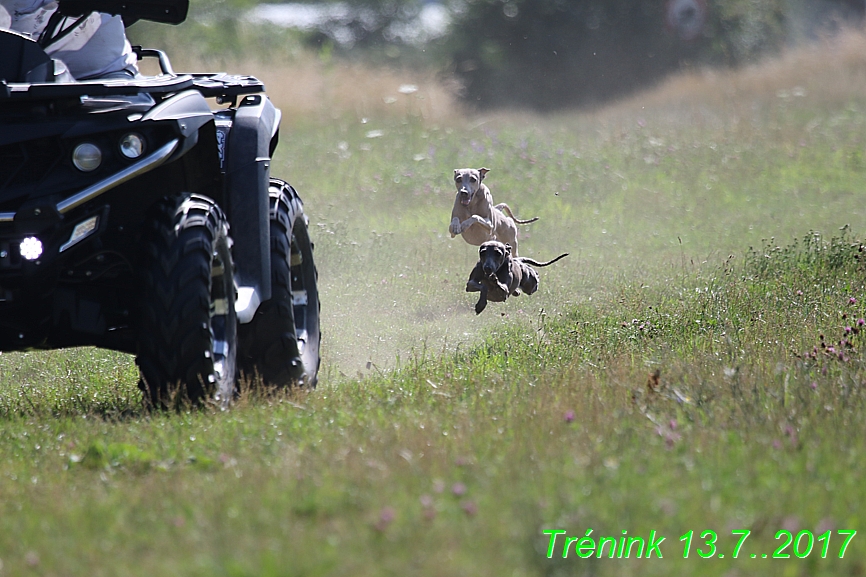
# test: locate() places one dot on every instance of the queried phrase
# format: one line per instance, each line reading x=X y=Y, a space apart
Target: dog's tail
x=528 y=260
x=504 y=208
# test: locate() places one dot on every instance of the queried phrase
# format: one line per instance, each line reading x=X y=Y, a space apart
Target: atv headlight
x=30 y=248
x=86 y=157
x=132 y=145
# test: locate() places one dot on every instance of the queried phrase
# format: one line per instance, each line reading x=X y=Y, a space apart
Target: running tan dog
x=474 y=215
x=497 y=274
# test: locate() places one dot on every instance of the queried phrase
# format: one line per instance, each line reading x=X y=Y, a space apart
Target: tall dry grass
x=331 y=90
x=307 y=86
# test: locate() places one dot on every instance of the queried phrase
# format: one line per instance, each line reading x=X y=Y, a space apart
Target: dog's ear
x=456 y=173
x=507 y=249
x=483 y=172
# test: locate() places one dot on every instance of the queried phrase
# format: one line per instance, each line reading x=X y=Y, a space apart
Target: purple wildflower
x=386 y=516
x=469 y=507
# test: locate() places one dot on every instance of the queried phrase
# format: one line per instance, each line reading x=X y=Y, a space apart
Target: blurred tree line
x=548 y=54
x=553 y=53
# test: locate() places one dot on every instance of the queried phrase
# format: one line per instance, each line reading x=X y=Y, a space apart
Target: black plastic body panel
x=164 y=11
x=22 y=59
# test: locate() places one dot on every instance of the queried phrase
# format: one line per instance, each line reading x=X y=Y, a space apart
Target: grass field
x=697 y=363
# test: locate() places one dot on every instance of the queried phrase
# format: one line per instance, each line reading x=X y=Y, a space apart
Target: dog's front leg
x=482 y=301
x=455 y=227
x=502 y=280
x=516 y=282
x=475 y=219
x=475 y=284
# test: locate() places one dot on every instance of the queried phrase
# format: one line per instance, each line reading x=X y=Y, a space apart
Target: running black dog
x=497 y=274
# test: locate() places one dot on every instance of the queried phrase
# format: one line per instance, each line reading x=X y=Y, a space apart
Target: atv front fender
x=247 y=165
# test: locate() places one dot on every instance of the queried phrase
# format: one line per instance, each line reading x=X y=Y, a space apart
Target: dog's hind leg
x=504 y=208
x=529 y=282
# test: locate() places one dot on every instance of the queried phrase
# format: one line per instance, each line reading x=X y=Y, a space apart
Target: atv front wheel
x=187 y=345
x=280 y=344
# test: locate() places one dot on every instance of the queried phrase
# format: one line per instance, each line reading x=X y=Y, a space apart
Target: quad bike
x=135 y=218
